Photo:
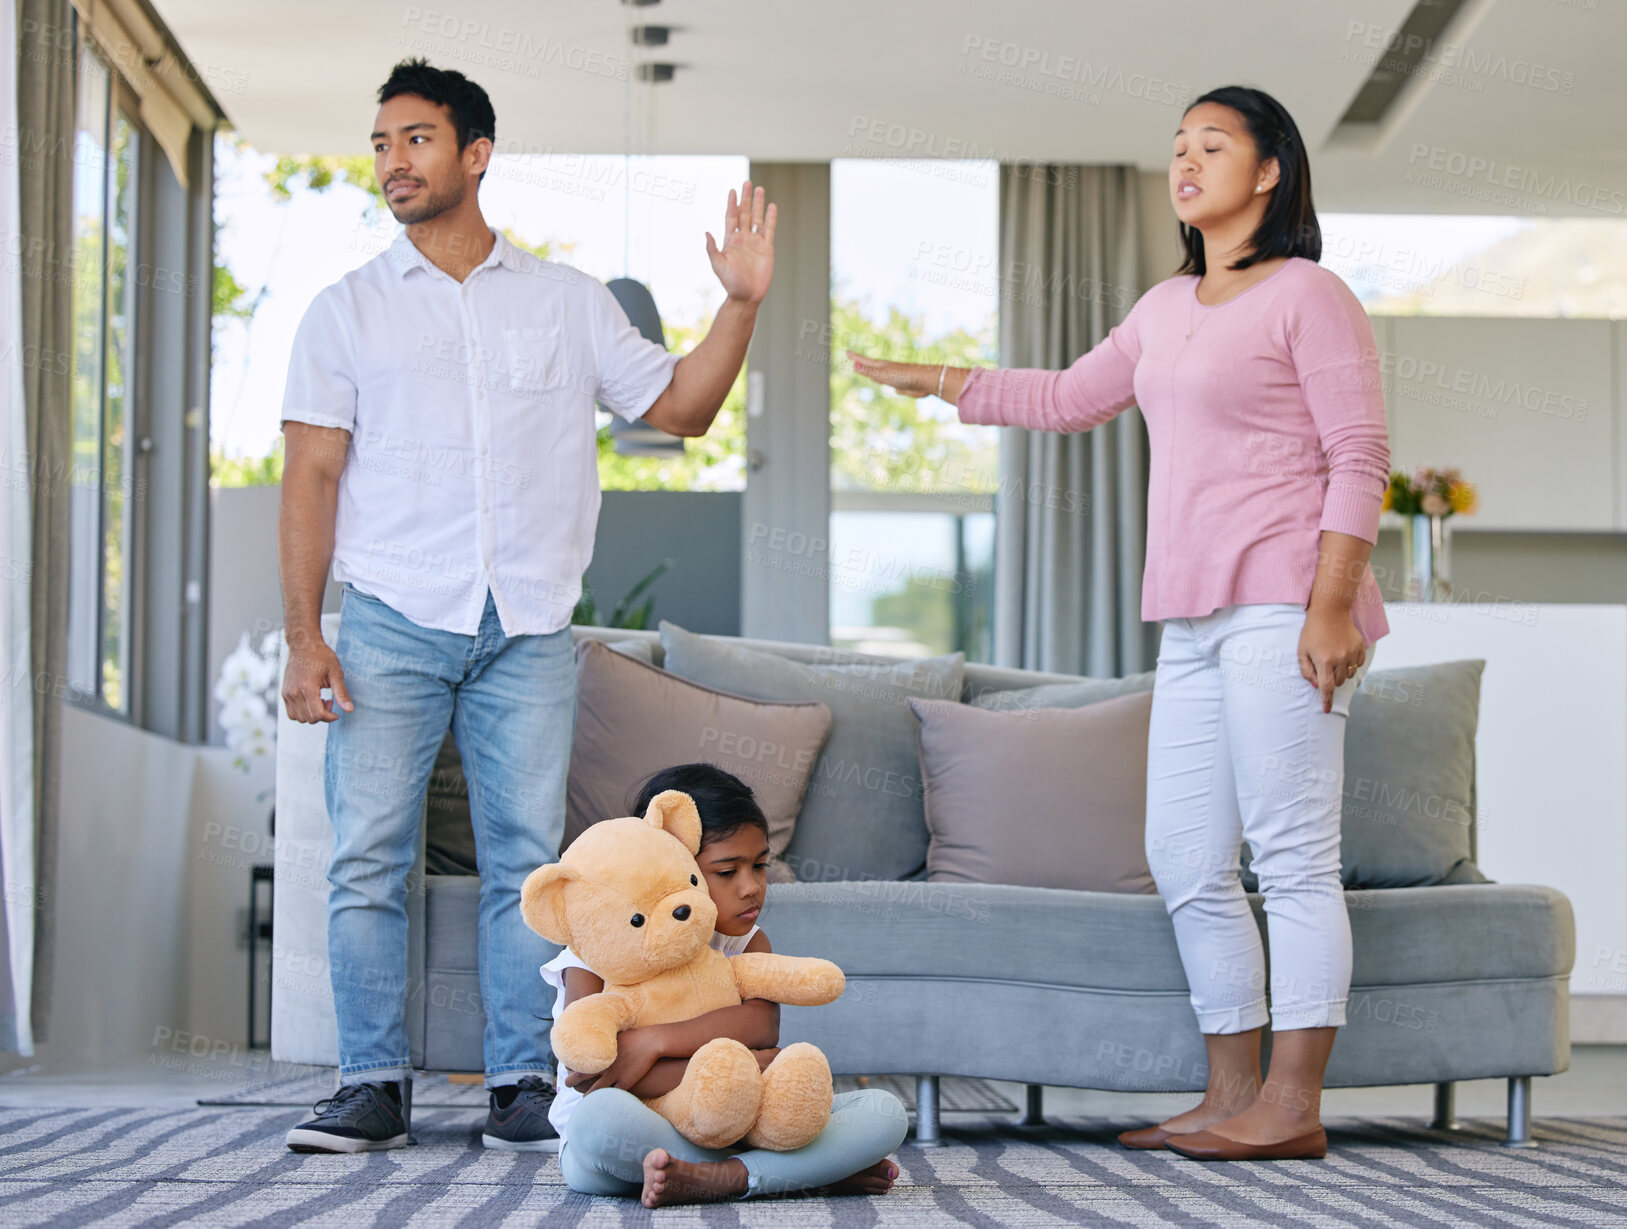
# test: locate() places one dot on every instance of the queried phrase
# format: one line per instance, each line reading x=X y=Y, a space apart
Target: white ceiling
x=826 y=79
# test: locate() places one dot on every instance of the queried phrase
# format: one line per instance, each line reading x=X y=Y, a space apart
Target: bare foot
x=669 y=1180
x=877 y=1180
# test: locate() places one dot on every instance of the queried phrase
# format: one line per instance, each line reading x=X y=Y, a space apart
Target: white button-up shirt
x=473 y=459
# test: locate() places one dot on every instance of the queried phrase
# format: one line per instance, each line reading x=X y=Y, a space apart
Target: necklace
x=1193 y=311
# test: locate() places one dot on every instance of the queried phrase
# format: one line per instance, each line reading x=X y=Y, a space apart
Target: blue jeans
x=611 y=1131
x=511 y=706
x=1239 y=749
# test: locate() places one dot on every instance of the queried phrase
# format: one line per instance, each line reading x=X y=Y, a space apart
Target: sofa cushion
x=632 y=720
x=1087 y=989
x=639 y=650
x=1409 y=803
x=1075 y=693
x=976 y=932
x=863 y=816
x=1047 y=798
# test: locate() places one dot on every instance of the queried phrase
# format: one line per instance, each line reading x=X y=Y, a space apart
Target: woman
x=1257 y=372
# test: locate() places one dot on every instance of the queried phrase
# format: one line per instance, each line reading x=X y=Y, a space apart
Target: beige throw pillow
x=1045 y=798
x=634 y=719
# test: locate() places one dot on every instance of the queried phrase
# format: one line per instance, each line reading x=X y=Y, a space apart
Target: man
x=441 y=455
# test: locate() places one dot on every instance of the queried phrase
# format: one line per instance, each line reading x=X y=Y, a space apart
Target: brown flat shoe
x=1207 y=1146
x=1147 y=1138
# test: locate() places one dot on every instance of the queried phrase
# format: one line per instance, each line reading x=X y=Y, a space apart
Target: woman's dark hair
x=725 y=802
x=1289 y=227
x=472 y=114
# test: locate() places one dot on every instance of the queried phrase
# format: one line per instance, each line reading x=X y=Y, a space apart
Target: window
x=102 y=503
x=914 y=253
x=1480 y=265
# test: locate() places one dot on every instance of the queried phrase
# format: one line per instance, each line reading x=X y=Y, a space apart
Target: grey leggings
x=610 y=1132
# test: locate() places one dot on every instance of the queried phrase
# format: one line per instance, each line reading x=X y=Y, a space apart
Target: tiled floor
x=1595 y=1085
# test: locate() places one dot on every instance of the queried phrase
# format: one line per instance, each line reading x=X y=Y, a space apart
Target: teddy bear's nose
x=681 y=913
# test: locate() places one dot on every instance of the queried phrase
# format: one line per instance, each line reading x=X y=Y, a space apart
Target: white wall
x=228 y=831
x=146 y=920
x=1550 y=766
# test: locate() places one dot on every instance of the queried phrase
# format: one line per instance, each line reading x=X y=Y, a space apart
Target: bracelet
x=942 y=371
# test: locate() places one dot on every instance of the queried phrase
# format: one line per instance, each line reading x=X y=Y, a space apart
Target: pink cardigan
x=1267 y=427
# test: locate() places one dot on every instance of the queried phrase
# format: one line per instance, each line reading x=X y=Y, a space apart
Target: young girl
x=613 y=1144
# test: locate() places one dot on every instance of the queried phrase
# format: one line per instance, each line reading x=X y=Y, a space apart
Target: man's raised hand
x=745 y=262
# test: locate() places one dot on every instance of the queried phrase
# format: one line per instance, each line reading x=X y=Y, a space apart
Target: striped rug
x=432 y=1090
x=218 y=1166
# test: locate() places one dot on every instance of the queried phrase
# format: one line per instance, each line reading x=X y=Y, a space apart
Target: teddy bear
x=627 y=897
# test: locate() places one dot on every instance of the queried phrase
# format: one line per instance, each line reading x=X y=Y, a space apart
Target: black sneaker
x=518 y=1118
x=358 y=1118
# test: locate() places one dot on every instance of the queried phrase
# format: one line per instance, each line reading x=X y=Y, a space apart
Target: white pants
x=1240 y=749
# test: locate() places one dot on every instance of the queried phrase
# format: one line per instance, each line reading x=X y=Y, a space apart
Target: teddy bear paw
x=796 y=1099
x=719 y=1097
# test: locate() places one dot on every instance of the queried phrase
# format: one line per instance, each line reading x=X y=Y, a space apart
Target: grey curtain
x=46 y=82
x=1071 y=528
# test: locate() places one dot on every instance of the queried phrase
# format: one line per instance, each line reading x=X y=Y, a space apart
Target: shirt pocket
x=536 y=360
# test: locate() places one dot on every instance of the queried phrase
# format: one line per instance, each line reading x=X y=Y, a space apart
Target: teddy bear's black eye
x=638 y=919
x=693 y=882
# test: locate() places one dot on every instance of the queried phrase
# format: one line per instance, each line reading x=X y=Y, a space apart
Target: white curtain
x=17 y=854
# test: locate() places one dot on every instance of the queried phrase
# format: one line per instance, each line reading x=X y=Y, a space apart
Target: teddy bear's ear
x=542 y=902
x=674 y=811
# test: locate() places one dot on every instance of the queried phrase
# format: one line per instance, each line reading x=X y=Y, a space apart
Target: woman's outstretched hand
x=911 y=379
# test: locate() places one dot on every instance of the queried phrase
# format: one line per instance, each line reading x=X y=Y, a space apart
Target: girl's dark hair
x=472 y=114
x=1289 y=227
x=725 y=802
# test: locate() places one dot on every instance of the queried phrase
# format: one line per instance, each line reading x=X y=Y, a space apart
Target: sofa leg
x=1519 y=1113
x=1446 y=1117
x=1034 y=1112
x=927 y=1134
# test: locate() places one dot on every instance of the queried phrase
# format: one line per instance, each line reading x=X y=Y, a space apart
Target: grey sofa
x=1035 y=985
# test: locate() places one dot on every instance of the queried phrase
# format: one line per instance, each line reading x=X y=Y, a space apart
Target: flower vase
x=1426 y=558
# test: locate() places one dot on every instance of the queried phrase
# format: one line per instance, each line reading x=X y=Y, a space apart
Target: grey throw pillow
x=638 y=650
x=1409 y=804
x=1061 y=695
x=863 y=817
x=1045 y=798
